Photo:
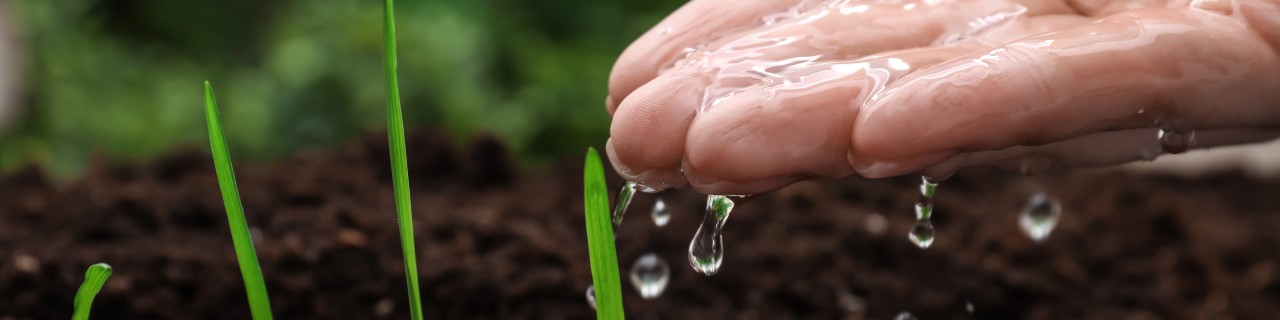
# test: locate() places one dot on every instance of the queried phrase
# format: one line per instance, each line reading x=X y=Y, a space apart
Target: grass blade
x=604 y=258
x=399 y=161
x=93 y=280
x=259 y=304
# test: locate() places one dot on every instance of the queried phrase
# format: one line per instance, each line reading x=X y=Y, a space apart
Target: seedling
x=399 y=162
x=604 y=258
x=259 y=305
x=93 y=280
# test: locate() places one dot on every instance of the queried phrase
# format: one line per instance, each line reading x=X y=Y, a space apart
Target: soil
x=498 y=242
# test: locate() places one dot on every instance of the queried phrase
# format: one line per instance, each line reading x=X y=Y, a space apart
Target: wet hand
x=743 y=97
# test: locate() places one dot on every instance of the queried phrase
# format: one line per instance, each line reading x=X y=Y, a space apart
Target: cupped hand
x=743 y=97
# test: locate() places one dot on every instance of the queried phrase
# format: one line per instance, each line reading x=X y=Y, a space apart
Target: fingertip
x=647 y=136
x=654 y=178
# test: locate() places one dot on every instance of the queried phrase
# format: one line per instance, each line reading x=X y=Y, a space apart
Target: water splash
x=661 y=214
x=650 y=274
x=625 y=193
x=706 y=251
x=1039 y=216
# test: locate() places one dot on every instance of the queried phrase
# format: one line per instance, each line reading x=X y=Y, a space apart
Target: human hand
x=743 y=97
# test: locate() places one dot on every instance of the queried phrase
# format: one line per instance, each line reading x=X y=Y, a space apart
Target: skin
x=744 y=97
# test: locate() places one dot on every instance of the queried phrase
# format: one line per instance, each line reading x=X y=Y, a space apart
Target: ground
x=499 y=242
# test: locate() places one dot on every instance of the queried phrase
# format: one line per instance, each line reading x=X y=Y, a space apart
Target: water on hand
x=1039 y=216
x=1176 y=142
x=706 y=251
x=661 y=215
x=650 y=274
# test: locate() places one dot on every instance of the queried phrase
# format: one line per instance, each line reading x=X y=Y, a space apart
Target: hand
x=743 y=97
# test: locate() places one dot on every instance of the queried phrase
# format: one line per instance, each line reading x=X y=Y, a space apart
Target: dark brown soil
x=495 y=242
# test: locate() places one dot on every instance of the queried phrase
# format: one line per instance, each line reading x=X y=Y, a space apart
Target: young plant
x=399 y=161
x=604 y=258
x=93 y=280
x=259 y=305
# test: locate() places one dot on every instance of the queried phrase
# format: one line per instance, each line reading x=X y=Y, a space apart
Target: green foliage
x=109 y=76
x=399 y=162
x=94 y=278
x=604 y=258
x=259 y=304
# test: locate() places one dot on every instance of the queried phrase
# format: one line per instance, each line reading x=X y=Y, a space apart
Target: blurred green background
x=122 y=78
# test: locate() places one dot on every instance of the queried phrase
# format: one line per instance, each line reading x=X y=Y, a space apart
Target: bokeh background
x=121 y=78
x=103 y=158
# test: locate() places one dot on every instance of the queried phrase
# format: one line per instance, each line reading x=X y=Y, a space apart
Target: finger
x=648 y=131
x=1177 y=69
x=1098 y=149
x=765 y=137
x=839 y=30
x=694 y=23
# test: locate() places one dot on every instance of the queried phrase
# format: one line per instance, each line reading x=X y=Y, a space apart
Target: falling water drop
x=922 y=234
x=591 y=295
x=649 y=274
x=623 y=201
x=660 y=213
x=1039 y=216
x=905 y=316
x=1176 y=142
x=706 y=251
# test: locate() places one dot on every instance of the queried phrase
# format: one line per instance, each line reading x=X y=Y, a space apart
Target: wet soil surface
x=497 y=242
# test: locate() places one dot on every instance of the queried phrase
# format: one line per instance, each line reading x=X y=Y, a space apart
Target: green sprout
x=399 y=161
x=604 y=258
x=259 y=305
x=93 y=280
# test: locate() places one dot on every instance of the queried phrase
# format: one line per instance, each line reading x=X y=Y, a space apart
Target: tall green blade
x=249 y=269
x=399 y=162
x=93 y=280
x=604 y=258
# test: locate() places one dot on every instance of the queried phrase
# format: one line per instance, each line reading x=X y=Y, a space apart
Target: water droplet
x=905 y=316
x=591 y=295
x=875 y=223
x=623 y=201
x=968 y=306
x=922 y=234
x=384 y=307
x=928 y=187
x=706 y=251
x=649 y=274
x=852 y=303
x=1039 y=216
x=1176 y=142
x=660 y=213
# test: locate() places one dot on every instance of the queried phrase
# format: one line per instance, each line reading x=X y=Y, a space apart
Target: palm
x=747 y=96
